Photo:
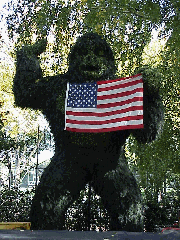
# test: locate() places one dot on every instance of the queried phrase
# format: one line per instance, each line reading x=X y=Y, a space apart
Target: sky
x=3 y=30
x=2 y=2
x=44 y=155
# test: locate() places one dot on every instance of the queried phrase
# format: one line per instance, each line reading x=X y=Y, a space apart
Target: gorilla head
x=91 y=58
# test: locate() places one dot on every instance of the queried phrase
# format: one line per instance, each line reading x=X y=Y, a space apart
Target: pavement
x=91 y=235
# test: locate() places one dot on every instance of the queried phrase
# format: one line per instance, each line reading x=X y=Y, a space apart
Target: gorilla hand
x=39 y=47
x=152 y=106
x=33 y=50
x=27 y=66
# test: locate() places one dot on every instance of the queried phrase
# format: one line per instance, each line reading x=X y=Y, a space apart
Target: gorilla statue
x=82 y=157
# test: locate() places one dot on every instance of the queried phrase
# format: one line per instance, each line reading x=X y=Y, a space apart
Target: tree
x=15 y=205
x=127 y=25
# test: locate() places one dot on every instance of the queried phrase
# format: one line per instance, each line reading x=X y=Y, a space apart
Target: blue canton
x=82 y=95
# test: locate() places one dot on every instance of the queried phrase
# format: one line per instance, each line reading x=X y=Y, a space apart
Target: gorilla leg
x=121 y=197
x=60 y=185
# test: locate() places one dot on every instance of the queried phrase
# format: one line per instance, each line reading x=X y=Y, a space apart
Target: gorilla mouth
x=90 y=68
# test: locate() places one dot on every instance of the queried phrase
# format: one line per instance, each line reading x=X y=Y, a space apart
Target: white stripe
x=120 y=99
x=95 y=118
x=103 y=110
x=110 y=125
x=66 y=103
x=120 y=82
x=120 y=90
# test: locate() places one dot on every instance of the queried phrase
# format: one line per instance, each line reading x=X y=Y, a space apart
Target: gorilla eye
x=83 y=52
x=99 y=52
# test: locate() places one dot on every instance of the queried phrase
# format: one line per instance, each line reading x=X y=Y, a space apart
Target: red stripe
x=108 y=105
x=119 y=79
x=106 y=129
x=123 y=85
x=123 y=94
x=128 y=118
x=133 y=108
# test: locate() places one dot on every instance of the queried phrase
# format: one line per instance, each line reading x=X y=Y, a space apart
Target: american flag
x=104 y=106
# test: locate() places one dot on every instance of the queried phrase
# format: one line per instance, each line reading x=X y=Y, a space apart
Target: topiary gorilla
x=82 y=157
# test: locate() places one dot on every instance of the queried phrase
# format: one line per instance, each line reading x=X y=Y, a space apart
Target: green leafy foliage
x=88 y=204
x=15 y=205
x=165 y=212
x=126 y=25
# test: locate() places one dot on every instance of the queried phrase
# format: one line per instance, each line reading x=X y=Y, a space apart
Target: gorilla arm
x=29 y=85
x=152 y=107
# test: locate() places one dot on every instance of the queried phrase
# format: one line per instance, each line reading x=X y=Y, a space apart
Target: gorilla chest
x=87 y=140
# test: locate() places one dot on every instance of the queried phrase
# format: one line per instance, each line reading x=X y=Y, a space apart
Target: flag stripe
x=120 y=103
x=94 y=122
x=107 y=126
x=103 y=114
x=120 y=86
x=119 y=99
x=135 y=105
x=119 y=94
x=105 y=117
x=92 y=130
x=119 y=80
